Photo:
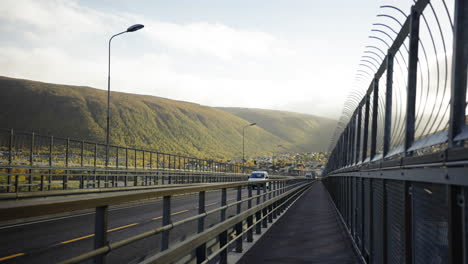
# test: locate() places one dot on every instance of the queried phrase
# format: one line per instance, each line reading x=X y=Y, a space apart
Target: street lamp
x=243 y=145
x=130 y=29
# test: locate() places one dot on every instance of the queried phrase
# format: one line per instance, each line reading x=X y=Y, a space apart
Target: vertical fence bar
x=10 y=160
x=455 y=224
x=375 y=111
x=385 y=223
x=459 y=71
x=201 y=250
x=223 y=235
x=95 y=164
x=100 y=232
x=366 y=127
x=250 y=218
x=412 y=80
x=126 y=168
x=264 y=210
x=31 y=162
x=82 y=164
x=239 y=225
x=166 y=220
x=358 y=133
x=258 y=214
x=408 y=203
x=388 y=105
x=67 y=160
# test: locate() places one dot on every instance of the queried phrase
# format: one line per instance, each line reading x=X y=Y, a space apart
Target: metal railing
x=269 y=203
x=402 y=193
x=33 y=162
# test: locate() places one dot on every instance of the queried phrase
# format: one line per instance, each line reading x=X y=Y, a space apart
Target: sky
x=294 y=55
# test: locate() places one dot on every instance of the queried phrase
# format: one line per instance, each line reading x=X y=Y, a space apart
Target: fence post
x=384 y=222
x=95 y=165
x=239 y=225
x=10 y=160
x=166 y=220
x=366 y=127
x=126 y=167
x=65 y=176
x=31 y=162
x=412 y=80
x=358 y=133
x=456 y=223
x=388 y=105
x=375 y=111
x=265 y=210
x=201 y=250
x=408 y=222
x=250 y=218
x=82 y=165
x=223 y=235
x=100 y=232
x=275 y=193
x=258 y=214
x=459 y=71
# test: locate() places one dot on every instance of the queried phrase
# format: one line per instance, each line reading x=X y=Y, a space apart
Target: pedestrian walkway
x=309 y=232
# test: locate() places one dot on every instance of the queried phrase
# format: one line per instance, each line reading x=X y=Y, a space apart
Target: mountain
x=305 y=132
x=142 y=121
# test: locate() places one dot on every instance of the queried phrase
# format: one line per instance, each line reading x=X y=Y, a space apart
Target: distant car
x=310 y=176
x=256 y=176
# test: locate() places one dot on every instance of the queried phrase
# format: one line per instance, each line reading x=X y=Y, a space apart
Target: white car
x=256 y=176
x=310 y=175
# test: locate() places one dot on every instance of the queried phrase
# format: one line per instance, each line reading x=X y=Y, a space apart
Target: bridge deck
x=310 y=232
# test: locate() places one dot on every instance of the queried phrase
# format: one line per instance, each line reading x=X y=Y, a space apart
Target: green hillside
x=305 y=132
x=136 y=120
x=150 y=122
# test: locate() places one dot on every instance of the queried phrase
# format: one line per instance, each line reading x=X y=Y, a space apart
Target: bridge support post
x=201 y=250
x=100 y=232
x=166 y=220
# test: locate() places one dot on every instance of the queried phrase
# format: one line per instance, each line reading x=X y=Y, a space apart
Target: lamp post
x=243 y=145
x=130 y=29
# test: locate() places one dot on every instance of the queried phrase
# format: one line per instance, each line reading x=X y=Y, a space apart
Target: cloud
x=203 y=62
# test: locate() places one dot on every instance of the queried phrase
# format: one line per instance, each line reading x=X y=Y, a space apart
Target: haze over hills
x=305 y=132
x=151 y=122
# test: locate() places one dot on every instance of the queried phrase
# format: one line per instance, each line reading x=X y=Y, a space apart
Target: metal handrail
x=21 y=209
x=169 y=255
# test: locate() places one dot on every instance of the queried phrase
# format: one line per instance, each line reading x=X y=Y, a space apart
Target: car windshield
x=257 y=175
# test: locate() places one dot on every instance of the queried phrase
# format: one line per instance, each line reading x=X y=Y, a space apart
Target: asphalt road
x=53 y=240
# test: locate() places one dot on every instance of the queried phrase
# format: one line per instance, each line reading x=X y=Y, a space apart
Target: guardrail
x=30 y=162
x=269 y=202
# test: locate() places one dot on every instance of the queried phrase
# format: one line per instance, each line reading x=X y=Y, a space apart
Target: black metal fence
x=33 y=162
x=398 y=169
